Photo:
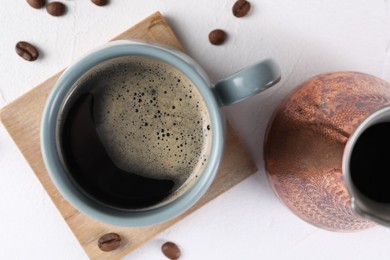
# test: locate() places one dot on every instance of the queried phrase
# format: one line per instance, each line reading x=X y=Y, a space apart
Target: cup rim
x=49 y=149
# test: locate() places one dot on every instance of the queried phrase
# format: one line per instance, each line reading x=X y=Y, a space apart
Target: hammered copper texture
x=305 y=141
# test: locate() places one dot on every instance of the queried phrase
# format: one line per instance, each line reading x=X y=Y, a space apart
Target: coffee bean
x=109 y=242
x=37 y=4
x=56 y=8
x=100 y=2
x=241 y=8
x=217 y=37
x=26 y=51
x=171 y=250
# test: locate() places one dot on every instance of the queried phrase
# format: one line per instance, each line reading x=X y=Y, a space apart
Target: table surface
x=305 y=37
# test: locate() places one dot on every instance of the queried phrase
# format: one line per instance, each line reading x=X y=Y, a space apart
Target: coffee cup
x=132 y=133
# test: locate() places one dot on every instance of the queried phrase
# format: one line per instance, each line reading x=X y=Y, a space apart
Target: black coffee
x=135 y=133
x=370 y=163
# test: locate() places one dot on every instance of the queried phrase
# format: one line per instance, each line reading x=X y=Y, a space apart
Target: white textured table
x=306 y=37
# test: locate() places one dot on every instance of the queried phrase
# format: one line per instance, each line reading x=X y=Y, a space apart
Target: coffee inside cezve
x=370 y=163
x=135 y=133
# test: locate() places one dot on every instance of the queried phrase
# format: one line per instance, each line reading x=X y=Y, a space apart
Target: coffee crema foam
x=150 y=118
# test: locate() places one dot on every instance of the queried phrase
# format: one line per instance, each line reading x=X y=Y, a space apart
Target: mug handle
x=248 y=82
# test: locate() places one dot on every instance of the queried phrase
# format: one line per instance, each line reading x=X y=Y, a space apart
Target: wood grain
x=22 y=119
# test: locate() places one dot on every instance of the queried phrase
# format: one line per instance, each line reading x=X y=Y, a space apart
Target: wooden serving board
x=22 y=119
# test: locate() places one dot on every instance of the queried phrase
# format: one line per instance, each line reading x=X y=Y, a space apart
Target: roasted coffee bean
x=109 y=242
x=217 y=37
x=56 y=8
x=37 y=4
x=100 y=2
x=241 y=8
x=171 y=250
x=26 y=51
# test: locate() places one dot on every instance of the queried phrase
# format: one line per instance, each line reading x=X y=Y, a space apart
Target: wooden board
x=22 y=120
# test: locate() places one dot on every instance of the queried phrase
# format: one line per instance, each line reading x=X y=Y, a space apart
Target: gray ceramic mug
x=237 y=87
